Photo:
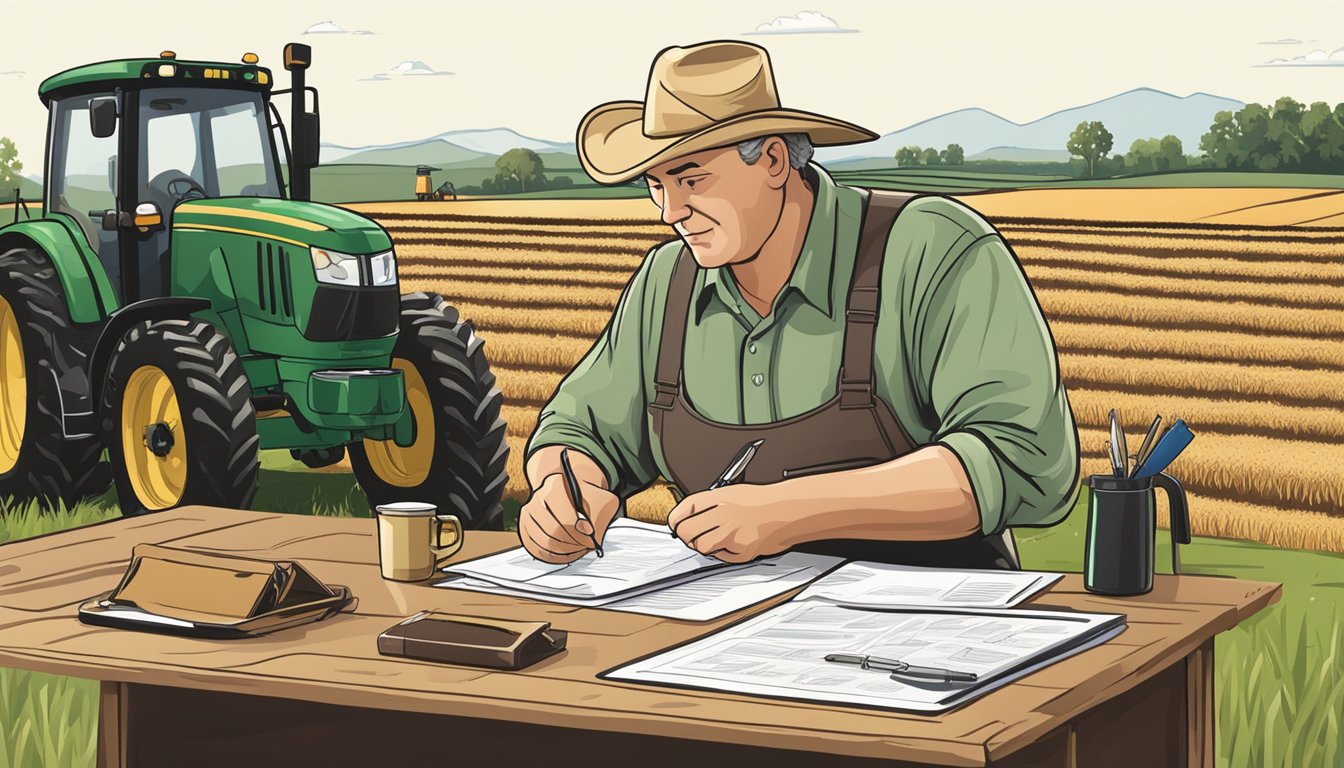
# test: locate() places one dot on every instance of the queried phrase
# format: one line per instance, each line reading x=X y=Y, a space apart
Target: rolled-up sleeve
x=983 y=351
x=599 y=407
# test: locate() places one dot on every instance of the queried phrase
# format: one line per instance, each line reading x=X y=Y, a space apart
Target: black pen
x=735 y=468
x=576 y=496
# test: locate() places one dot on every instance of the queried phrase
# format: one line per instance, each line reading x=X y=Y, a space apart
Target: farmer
x=901 y=374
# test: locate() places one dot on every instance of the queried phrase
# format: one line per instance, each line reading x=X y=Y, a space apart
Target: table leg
x=111 y=725
x=1199 y=706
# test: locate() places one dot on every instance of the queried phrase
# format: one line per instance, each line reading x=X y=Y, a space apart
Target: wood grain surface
x=44 y=579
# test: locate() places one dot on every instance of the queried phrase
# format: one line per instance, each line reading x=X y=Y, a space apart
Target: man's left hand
x=736 y=523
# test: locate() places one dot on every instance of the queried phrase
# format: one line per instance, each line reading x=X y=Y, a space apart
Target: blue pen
x=1167 y=449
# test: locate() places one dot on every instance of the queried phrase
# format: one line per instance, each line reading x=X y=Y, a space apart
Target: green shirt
x=962 y=354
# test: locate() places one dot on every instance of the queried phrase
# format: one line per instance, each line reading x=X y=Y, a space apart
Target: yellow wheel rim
x=158 y=481
x=13 y=389
x=407 y=467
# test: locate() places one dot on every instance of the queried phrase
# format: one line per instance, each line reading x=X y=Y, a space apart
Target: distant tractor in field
x=177 y=307
x=424 y=182
x=446 y=191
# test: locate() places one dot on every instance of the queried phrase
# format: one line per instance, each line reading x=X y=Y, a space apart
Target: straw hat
x=700 y=97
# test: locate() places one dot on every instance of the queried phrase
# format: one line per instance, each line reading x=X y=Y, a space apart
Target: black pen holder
x=1121 y=529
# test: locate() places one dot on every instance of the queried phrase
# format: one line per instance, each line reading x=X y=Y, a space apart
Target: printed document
x=879 y=585
x=781 y=653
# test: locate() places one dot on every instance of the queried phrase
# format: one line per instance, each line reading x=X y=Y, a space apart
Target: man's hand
x=736 y=523
x=550 y=529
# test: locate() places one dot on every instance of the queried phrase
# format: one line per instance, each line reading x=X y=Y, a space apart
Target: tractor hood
x=292 y=221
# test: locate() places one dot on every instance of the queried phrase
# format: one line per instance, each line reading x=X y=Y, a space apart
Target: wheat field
x=1219 y=306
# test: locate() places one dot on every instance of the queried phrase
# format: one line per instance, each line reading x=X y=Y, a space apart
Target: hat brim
x=613 y=148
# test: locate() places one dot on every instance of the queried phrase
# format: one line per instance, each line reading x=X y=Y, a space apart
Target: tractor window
x=83 y=173
x=205 y=142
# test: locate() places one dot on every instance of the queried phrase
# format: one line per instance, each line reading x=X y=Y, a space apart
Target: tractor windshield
x=205 y=142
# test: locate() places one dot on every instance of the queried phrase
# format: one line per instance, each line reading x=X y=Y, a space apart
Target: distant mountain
x=1138 y=114
x=445 y=148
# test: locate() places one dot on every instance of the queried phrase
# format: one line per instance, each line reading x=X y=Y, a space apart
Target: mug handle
x=1180 y=515
x=444 y=551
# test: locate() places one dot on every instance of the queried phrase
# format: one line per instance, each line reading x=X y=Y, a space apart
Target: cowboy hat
x=703 y=96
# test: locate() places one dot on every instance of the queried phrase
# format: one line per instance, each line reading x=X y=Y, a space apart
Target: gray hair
x=799 y=146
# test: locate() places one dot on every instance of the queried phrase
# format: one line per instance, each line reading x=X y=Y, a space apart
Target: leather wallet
x=473 y=641
x=206 y=594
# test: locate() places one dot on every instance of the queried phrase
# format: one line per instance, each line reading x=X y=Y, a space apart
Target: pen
x=901 y=668
x=1119 y=454
x=735 y=467
x=1147 y=445
x=1173 y=441
x=576 y=496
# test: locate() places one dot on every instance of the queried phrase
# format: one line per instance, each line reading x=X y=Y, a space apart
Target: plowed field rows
x=1203 y=304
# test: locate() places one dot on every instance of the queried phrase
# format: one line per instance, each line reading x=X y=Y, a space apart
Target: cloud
x=1282 y=41
x=12 y=73
x=805 y=23
x=332 y=28
x=408 y=68
x=1316 y=58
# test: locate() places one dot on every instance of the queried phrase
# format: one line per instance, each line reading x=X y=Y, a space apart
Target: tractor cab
x=168 y=133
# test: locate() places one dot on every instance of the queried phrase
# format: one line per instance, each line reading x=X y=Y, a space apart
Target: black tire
x=466 y=471
x=48 y=466
x=218 y=428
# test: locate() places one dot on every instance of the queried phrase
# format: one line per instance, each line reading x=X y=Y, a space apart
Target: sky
x=537 y=67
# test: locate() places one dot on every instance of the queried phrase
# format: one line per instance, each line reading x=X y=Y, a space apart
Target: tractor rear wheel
x=38 y=345
x=178 y=419
x=457 y=457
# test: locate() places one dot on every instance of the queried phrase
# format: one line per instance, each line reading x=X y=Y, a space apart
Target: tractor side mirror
x=103 y=116
x=147 y=216
x=310 y=147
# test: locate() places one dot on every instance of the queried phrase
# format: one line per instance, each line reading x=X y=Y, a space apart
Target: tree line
x=518 y=170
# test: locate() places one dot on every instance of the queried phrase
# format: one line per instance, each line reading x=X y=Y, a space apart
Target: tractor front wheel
x=456 y=459
x=178 y=419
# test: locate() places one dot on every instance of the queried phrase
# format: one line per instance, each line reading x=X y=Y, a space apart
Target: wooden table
x=321 y=694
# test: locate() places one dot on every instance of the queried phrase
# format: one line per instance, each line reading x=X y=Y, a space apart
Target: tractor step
x=79 y=424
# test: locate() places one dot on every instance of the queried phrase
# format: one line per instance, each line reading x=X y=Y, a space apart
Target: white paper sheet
x=781 y=653
x=636 y=556
x=880 y=585
x=695 y=597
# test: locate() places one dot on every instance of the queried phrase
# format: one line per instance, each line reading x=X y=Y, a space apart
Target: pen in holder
x=1121 y=528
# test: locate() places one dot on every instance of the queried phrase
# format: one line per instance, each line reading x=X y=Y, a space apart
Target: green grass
x=1279 y=677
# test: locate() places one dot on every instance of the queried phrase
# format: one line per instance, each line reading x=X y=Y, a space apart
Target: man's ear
x=775 y=159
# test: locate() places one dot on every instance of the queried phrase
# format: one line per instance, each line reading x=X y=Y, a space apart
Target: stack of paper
x=916 y=616
x=643 y=570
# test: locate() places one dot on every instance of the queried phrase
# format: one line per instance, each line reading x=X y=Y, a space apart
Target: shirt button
x=751 y=348
x=757 y=379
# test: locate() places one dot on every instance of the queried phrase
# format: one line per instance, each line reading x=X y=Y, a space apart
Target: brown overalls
x=853 y=429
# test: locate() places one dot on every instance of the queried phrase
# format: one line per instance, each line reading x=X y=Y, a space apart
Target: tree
x=907 y=156
x=928 y=156
x=954 y=155
x=523 y=166
x=1170 y=154
x=1090 y=141
x=9 y=165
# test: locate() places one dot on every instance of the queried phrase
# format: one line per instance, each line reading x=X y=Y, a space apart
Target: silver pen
x=902 y=669
x=735 y=467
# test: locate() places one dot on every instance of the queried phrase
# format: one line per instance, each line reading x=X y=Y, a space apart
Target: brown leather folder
x=204 y=594
x=473 y=641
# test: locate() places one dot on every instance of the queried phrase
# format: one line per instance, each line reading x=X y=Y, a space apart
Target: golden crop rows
x=1154 y=345
x=1257 y=291
x=1140 y=326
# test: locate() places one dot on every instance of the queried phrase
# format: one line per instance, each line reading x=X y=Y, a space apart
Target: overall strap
x=667 y=372
x=856 y=366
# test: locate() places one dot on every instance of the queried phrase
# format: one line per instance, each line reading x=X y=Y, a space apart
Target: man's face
x=723 y=208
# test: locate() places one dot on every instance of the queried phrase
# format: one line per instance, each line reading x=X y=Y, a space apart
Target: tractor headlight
x=336 y=268
x=383 y=269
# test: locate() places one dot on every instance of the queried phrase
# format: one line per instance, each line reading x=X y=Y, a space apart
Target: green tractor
x=181 y=305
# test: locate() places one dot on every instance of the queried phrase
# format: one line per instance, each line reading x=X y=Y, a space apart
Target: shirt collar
x=812 y=273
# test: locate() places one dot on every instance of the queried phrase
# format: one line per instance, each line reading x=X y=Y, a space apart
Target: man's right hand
x=550 y=529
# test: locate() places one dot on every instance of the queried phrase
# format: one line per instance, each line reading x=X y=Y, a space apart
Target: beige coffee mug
x=411 y=539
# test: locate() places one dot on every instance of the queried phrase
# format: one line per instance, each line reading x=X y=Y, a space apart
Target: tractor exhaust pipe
x=305 y=127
